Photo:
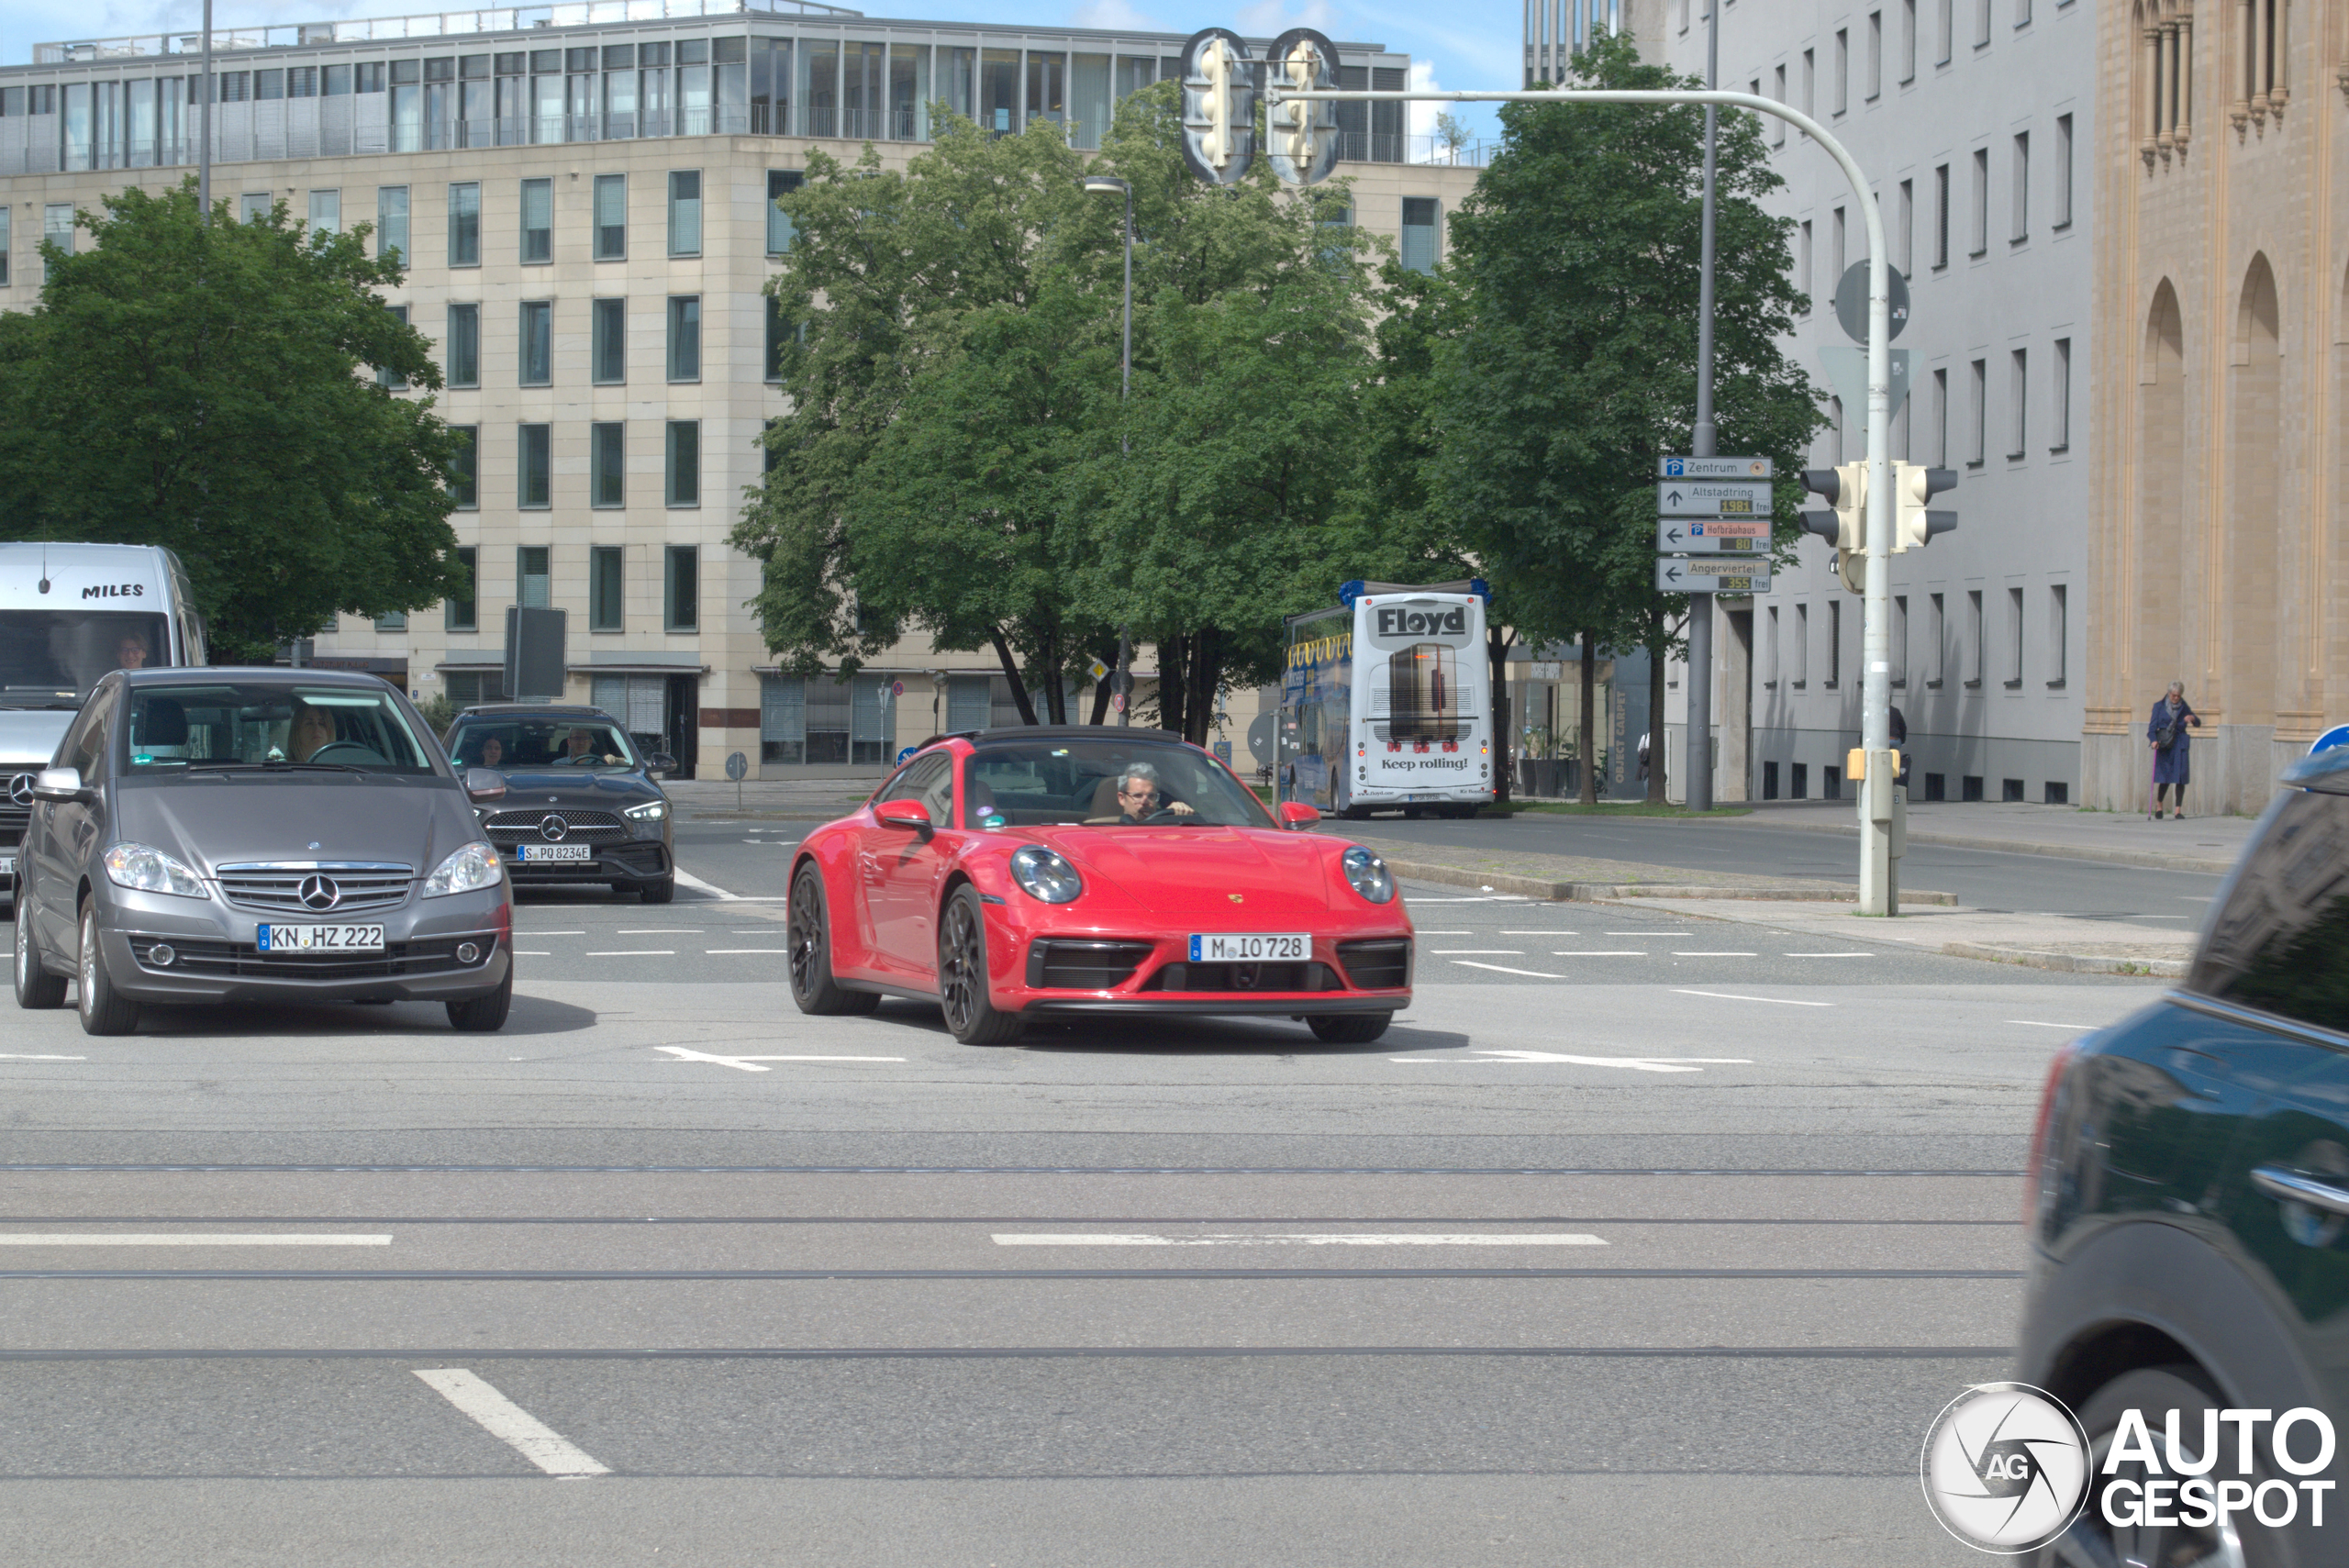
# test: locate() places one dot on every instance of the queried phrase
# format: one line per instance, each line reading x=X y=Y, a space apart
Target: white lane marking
x=1714 y=953
x=1504 y=969
x=1452 y=933
x=13 y=1056
x=1646 y=933
x=635 y=953
x=719 y=953
x=184 y=1239
x=1541 y=933
x=698 y=885
x=509 y=1423
x=1600 y=952
x=1305 y=1239
x=658 y=931
x=1869 y=955
x=1636 y=1064
x=550 y=933
x=2157 y=917
x=750 y=1064
x=2041 y=1024
x=2191 y=898
x=1484 y=952
x=1492 y=899
x=532 y=952
x=1732 y=997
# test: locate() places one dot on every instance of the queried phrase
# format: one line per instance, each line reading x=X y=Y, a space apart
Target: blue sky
x=1473 y=45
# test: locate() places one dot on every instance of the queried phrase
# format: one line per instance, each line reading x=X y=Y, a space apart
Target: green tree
x=213 y=388
x=1575 y=366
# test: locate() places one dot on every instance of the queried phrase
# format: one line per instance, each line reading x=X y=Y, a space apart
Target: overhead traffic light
x=1301 y=134
x=1914 y=488
x=1219 y=106
x=1846 y=490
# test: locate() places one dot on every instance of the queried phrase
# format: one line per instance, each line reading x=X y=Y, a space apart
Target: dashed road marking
x=1714 y=953
x=13 y=1056
x=1600 y=952
x=635 y=952
x=1504 y=969
x=751 y=1064
x=1635 y=1063
x=1482 y=953
x=510 y=1424
x=1305 y=1239
x=1732 y=997
x=2042 y=1024
x=724 y=952
x=182 y=1239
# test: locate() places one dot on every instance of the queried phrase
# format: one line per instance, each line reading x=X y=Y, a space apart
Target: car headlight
x=651 y=811
x=152 y=871
x=1043 y=876
x=1369 y=875
x=472 y=867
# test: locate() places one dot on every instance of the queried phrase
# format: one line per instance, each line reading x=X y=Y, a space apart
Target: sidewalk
x=2120 y=838
x=1579 y=877
x=2064 y=942
x=786 y=800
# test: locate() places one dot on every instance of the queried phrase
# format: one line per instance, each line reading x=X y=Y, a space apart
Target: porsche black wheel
x=1348 y=1029
x=810 y=939
x=970 y=1016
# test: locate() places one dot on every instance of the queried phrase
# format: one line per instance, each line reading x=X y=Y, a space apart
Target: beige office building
x=2217 y=543
x=584 y=195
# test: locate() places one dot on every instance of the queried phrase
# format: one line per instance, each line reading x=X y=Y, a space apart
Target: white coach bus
x=1382 y=702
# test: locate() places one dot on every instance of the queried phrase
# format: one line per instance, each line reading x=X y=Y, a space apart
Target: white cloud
x=1419 y=118
x=1115 y=16
x=1270 y=19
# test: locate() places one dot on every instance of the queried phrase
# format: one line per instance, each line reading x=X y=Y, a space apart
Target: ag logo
x=1235 y=897
x=2005 y=1468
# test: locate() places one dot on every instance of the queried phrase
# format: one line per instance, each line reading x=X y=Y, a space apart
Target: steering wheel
x=1166 y=813
x=349 y=752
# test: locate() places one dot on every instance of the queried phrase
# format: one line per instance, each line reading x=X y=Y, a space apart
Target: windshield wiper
x=40 y=705
x=271 y=767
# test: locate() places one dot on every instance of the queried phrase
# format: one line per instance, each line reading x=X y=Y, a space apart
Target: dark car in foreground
x=2188 y=1209
x=224 y=835
x=583 y=804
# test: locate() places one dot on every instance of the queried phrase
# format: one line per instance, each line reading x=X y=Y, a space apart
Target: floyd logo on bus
x=1402 y=621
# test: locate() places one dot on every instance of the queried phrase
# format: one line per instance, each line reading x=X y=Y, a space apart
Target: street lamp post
x=1109 y=185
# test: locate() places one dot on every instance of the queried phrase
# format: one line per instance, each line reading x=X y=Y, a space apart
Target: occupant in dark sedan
x=579 y=748
x=311 y=729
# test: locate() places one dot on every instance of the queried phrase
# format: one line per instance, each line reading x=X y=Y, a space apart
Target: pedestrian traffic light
x=1846 y=490
x=1914 y=486
x=1219 y=106
x=1302 y=134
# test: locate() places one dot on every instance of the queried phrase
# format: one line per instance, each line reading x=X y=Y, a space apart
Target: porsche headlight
x=149 y=870
x=472 y=867
x=1043 y=876
x=1369 y=875
x=651 y=811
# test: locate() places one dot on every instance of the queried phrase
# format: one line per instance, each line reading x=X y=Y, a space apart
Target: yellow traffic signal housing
x=1914 y=488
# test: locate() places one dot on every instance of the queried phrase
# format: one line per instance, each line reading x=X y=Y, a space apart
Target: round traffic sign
x=1259 y=737
x=906 y=751
x=737 y=765
x=1117 y=701
x=896 y=688
x=1852 y=300
x=2336 y=736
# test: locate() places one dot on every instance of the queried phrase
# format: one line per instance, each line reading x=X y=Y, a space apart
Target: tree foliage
x=210 y=388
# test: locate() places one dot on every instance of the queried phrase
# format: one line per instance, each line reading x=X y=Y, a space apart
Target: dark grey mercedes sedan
x=222 y=835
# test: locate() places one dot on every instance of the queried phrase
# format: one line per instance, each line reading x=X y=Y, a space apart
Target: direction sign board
x=1712 y=497
x=1711 y=574
x=1712 y=468
x=1712 y=536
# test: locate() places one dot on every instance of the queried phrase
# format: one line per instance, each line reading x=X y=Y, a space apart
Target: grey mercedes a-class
x=222 y=834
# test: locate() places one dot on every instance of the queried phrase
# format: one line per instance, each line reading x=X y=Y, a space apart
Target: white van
x=70 y=614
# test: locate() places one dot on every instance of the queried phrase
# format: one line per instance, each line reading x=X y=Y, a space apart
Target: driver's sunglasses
x=1136 y=794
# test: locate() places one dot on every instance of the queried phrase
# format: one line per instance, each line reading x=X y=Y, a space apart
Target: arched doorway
x=2254 y=609
x=2162 y=645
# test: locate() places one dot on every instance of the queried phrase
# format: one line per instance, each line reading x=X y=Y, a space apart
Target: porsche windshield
x=586 y=744
x=215 y=725
x=1102 y=784
x=56 y=656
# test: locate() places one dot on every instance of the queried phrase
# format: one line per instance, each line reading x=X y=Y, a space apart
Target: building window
x=2014 y=639
x=681 y=587
x=1770 y=648
x=1838 y=245
x=685 y=337
x=391 y=223
x=1981 y=23
x=531 y=587
x=1941 y=217
x=1980 y=245
x=1907 y=42
x=466 y=687
x=462 y=610
x=464 y=225
x=1800 y=666
x=2019 y=388
x=1842 y=71
x=1810 y=83
x=2022 y=13
x=1802 y=270
x=781 y=330
x=1899 y=641
x=607 y=465
x=1941 y=418
x=2059 y=634
x=463 y=350
x=783 y=719
x=2059 y=398
x=537 y=221
x=386 y=378
x=1942 y=31
x=532 y=468
x=611 y=218
x=2063 y=219
x=4 y=245
x=1419 y=247
x=254 y=206
x=56 y=230
x=607 y=341
x=392 y=620
x=2022 y=187
x=780 y=233
x=465 y=468
x=1834 y=644
x=1974 y=634
x=685 y=212
x=1977 y=426
x=1875 y=56
x=604 y=608
x=326 y=211
x=1777 y=126
x=1908 y=218
x=1835 y=432
x=538 y=342
x=684 y=465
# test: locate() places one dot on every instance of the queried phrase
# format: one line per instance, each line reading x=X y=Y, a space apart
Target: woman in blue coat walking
x=2166 y=733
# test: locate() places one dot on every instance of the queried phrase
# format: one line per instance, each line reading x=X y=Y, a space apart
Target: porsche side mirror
x=62 y=785
x=1296 y=813
x=483 y=786
x=910 y=815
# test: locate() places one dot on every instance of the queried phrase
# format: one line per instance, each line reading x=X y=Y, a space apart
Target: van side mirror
x=62 y=785
x=1296 y=813
x=484 y=785
x=661 y=762
x=910 y=815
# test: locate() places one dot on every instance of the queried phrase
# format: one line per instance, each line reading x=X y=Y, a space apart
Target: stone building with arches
x=2219 y=532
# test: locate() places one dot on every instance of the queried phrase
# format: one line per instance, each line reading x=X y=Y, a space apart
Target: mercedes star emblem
x=552 y=827
x=20 y=790
x=318 y=893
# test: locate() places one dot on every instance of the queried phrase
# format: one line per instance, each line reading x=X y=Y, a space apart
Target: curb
x=2070 y=962
x=2150 y=860
x=1593 y=892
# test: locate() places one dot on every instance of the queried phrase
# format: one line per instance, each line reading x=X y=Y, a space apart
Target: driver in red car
x=1139 y=796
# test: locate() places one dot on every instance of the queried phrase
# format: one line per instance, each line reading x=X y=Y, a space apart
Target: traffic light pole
x=1697 y=753
x=1879 y=894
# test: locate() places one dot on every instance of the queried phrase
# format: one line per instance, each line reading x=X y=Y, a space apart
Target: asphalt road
x=1632 y=1241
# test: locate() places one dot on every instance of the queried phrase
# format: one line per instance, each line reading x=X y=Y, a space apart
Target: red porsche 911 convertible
x=1050 y=872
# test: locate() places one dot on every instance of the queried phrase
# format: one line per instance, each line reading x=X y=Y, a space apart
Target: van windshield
x=56 y=656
